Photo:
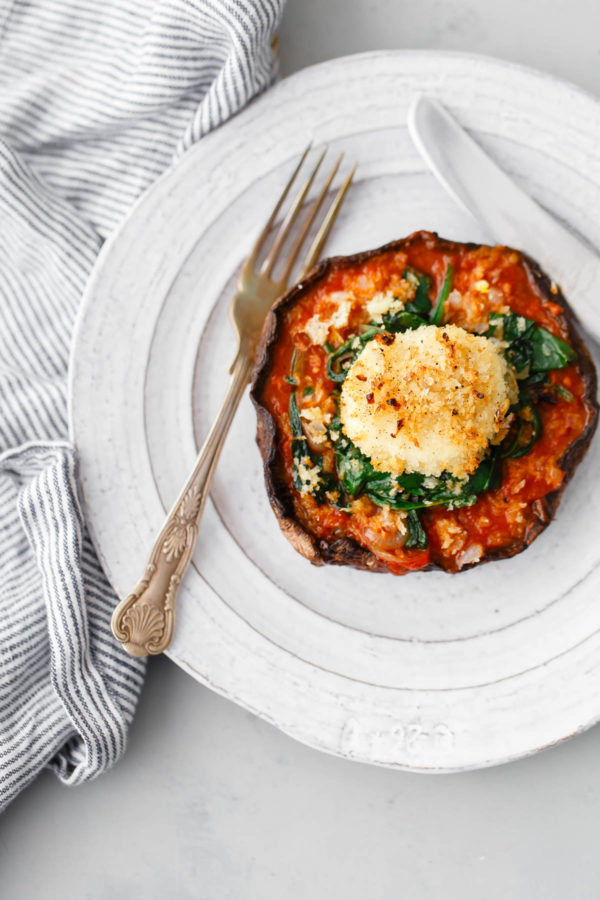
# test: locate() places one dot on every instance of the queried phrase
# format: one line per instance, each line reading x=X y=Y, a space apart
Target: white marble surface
x=211 y=802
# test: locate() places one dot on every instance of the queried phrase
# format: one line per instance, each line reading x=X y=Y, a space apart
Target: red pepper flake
x=370 y=398
x=400 y=423
x=361 y=377
x=445 y=336
x=454 y=412
x=393 y=402
x=387 y=338
x=479 y=394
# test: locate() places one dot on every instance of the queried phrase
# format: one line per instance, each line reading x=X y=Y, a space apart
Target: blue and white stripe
x=96 y=100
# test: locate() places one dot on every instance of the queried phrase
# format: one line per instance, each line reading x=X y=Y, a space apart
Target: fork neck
x=243 y=361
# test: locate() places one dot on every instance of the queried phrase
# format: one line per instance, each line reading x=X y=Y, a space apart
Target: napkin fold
x=96 y=100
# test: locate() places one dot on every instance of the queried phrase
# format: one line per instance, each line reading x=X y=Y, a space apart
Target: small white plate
x=430 y=672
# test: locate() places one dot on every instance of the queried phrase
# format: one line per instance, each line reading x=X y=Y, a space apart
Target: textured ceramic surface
x=427 y=672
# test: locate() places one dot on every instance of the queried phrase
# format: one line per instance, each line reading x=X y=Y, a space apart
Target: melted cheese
x=381 y=303
x=315 y=423
x=317 y=328
x=309 y=476
x=427 y=401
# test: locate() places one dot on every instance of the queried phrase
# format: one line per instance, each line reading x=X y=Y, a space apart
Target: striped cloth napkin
x=96 y=100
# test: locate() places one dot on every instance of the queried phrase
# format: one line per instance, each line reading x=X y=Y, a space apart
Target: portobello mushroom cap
x=345 y=551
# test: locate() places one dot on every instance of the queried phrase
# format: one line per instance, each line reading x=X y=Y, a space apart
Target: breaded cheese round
x=429 y=400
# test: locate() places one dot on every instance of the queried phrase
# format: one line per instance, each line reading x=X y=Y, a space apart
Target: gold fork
x=144 y=620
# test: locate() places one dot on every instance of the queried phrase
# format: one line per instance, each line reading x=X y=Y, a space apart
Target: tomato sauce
x=500 y=518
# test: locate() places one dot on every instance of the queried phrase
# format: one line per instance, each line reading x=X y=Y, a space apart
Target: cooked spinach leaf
x=532 y=349
x=385 y=489
x=514 y=448
x=420 y=303
x=488 y=474
x=307 y=467
x=353 y=467
x=438 y=311
x=536 y=380
x=291 y=378
x=514 y=328
x=410 y=490
x=416 y=539
x=340 y=361
x=295 y=420
x=550 y=352
x=402 y=321
x=533 y=352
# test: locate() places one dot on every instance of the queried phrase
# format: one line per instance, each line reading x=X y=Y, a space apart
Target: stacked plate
x=426 y=672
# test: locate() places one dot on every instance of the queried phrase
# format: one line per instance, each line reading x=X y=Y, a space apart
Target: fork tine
x=323 y=233
x=290 y=218
x=251 y=260
x=309 y=220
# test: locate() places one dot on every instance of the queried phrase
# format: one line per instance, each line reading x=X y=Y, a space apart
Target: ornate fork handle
x=143 y=621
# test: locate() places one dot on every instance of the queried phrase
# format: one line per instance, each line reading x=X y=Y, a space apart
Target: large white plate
x=427 y=672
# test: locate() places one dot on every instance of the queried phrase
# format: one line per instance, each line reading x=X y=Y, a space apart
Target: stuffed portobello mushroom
x=421 y=405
